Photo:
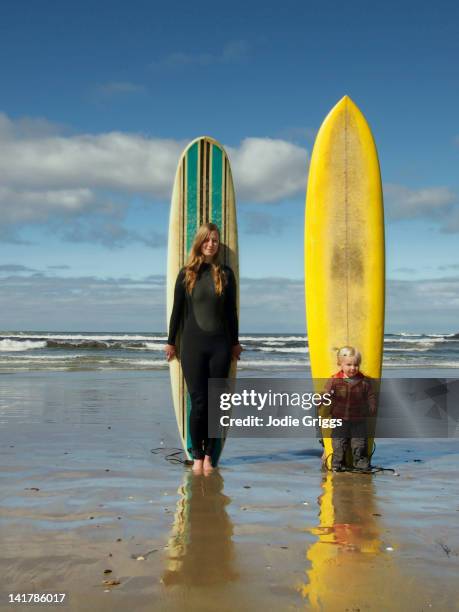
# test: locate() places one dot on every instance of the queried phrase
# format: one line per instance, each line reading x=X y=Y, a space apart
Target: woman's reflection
x=200 y=548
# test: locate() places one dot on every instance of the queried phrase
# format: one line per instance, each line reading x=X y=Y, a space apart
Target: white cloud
x=27 y=127
x=117 y=161
x=111 y=234
x=272 y=303
x=404 y=203
x=425 y=295
x=18 y=206
x=53 y=302
x=44 y=173
x=267 y=169
x=423 y=305
x=454 y=266
x=9 y=268
x=34 y=300
x=233 y=51
x=437 y=204
x=451 y=224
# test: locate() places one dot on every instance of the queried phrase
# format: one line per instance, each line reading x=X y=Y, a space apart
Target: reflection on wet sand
x=343 y=572
x=200 y=547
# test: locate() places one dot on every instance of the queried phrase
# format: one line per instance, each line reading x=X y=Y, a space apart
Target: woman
x=205 y=298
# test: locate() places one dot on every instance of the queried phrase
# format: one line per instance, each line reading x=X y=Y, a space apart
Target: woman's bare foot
x=197 y=466
x=208 y=464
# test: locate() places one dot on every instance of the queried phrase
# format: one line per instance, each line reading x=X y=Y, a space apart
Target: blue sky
x=99 y=98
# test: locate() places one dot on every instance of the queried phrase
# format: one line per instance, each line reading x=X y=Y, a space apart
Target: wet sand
x=82 y=493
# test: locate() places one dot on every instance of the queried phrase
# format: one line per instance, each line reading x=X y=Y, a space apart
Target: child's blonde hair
x=348 y=351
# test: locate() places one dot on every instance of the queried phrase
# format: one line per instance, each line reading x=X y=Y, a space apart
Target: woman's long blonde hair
x=196 y=258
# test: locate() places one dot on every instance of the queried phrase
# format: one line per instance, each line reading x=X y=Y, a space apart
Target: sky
x=98 y=99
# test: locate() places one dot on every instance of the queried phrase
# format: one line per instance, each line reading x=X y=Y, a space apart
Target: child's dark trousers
x=353 y=432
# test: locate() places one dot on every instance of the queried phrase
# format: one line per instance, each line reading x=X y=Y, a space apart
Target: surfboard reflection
x=343 y=572
x=200 y=547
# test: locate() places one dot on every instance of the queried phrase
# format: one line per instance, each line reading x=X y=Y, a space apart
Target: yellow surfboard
x=344 y=246
x=346 y=562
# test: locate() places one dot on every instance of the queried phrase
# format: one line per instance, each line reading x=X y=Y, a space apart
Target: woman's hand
x=170 y=351
x=236 y=351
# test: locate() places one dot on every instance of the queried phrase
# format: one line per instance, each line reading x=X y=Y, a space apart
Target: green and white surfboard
x=203 y=193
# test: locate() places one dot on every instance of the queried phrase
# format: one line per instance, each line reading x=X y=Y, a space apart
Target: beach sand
x=84 y=500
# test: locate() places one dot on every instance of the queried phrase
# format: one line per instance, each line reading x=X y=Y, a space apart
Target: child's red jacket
x=351 y=400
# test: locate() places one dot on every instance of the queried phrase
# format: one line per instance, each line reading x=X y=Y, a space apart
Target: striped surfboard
x=203 y=193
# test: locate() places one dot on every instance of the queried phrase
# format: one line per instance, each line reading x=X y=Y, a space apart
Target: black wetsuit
x=210 y=329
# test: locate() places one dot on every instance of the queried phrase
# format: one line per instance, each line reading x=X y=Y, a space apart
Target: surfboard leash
x=172 y=455
x=372 y=469
x=379 y=468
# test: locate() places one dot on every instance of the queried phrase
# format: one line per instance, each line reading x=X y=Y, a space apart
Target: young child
x=353 y=399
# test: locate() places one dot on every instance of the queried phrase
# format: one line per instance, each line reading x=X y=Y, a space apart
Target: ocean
x=67 y=351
